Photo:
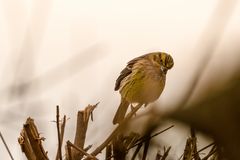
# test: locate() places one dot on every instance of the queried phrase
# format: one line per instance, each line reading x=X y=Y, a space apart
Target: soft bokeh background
x=69 y=53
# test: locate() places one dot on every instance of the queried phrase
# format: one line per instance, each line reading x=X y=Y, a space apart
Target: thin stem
x=141 y=140
x=211 y=144
x=81 y=150
x=116 y=131
x=5 y=144
x=59 y=135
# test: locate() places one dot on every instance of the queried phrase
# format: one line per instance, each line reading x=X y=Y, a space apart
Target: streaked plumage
x=142 y=81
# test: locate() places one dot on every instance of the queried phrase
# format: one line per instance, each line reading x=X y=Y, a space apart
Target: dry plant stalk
x=6 y=146
x=190 y=150
x=120 y=146
x=81 y=130
x=159 y=156
x=81 y=151
x=116 y=131
x=117 y=145
x=31 y=142
x=60 y=134
x=165 y=154
x=108 y=152
x=59 y=151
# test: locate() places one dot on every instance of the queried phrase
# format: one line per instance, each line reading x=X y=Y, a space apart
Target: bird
x=142 y=81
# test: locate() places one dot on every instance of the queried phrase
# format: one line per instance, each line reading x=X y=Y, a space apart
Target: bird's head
x=162 y=60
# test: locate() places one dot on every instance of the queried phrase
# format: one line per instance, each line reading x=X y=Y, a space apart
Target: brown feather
x=120 y=114
x=126 y=71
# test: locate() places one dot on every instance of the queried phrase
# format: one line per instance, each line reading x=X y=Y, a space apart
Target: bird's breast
x=143 y=88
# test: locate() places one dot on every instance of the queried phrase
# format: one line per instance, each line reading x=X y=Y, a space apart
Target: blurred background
x=69 y=53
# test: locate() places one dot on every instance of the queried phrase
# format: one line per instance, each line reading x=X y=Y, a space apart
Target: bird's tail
x=120 y=114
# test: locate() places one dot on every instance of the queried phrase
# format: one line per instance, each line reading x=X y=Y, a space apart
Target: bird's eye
x=169 y=62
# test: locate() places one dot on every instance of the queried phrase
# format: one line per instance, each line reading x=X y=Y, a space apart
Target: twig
x=108 y=152
x=59 y=136
x=211 y=144
x=131 y=140
x=81 y=150
x=5 y=144
x=116 y=131
x=136 y=151
x=146 y=147
x=212 y=151
x=81 y=128
x=190 y=150
x=187 y=154
x=26 y=146
x=69 y=152
x=194 y=144
x=34 y=139
x=87 y=148
x=63 y=128
x=119 y=147
x=141 y=140
x=158 y=155
x=165 y=154
x=127 y=141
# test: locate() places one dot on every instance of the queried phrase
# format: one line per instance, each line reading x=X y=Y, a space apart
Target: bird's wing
x=127 y=70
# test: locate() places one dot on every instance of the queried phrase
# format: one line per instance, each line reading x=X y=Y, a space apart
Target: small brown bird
x=142 y=81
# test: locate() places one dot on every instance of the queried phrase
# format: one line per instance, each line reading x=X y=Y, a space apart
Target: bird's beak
x=164 y=69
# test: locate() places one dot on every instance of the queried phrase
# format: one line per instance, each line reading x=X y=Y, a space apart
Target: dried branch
x=165 y=154
x=68 y=152
x=26 y=146
x=211 y=152
x=158 y=155
x=87 y=148
x=119 y=147
x=125 y=142
x=61 y=135
x=202 y=149
x=59 y=152
x=137 y=151
x=81 y=150
x=108 y=155
x=146 y=147
x=188 y=150
x=141 y=140
x=31 y=142
x=81 y=129
x=131 y=141
x=63 y=128
x=5 y=144
x=194 y=144
x=116 y=131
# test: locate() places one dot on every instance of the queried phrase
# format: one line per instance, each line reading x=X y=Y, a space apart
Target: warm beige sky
x=94 y=40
